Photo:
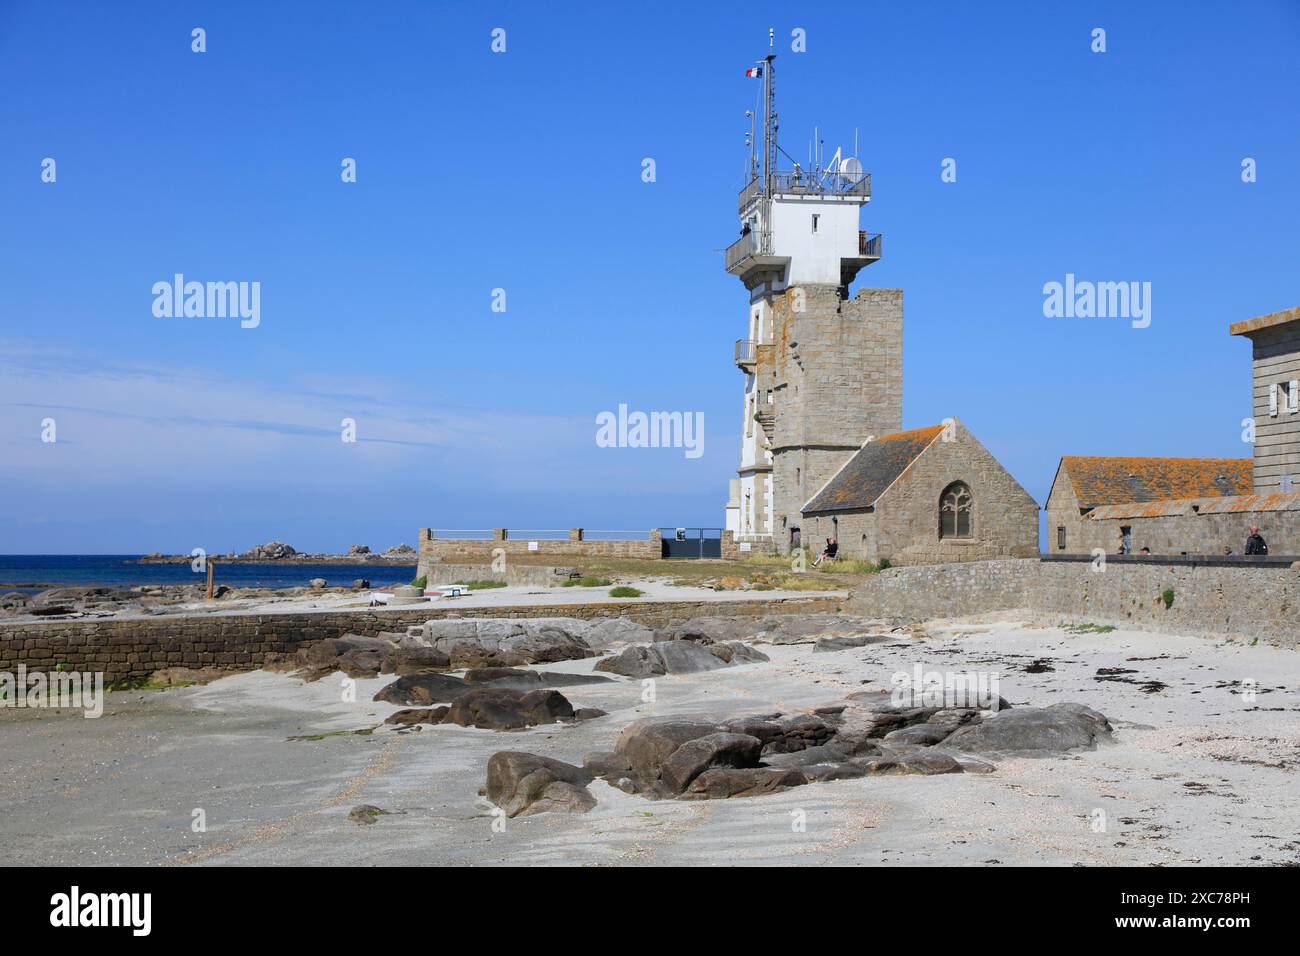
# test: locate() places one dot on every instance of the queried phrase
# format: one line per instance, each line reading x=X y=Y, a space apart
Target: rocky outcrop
x=497 y=642
x=1033 y=731
x=522 y=783
x=271 y=551
x=677 y=657
x=492 y=708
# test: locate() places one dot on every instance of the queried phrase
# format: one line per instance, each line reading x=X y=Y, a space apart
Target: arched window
x=955 y=506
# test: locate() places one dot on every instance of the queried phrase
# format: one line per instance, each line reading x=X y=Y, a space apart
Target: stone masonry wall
x=134 y=649
x=1204 y=534
x=1005 y=521
x=837 y=377
x=1243 y=601
x=433 y=550
x=1063 y=512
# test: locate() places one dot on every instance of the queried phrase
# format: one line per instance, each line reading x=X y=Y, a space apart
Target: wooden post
x=211 y=565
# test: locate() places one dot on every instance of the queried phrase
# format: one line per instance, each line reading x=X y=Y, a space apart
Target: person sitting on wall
x=832 y=549
x=1145 y=551
x=1256 y=544
x=1123 y=543
x=1227 y=551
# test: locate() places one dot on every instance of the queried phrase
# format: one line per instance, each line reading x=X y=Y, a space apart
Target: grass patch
x=624 y=591
x=421 y=582
x=807 y=582
x=1087 y=628
x=480 y=585
x=851 y=566
x=1167 y=595
x=587 y=581
x=146 y=683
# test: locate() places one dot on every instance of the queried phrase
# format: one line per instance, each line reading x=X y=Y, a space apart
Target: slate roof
x=1102 y=481
x=876 y=466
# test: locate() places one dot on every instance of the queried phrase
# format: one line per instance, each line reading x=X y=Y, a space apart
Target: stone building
x=823 y=370
x=823 y=385
x=1197 y=505
x=926 y=496
x=1085 y=483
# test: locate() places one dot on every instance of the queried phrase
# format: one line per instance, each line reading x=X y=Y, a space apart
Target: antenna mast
x=769 y=116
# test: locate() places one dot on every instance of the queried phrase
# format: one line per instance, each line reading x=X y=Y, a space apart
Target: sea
x=36 y=572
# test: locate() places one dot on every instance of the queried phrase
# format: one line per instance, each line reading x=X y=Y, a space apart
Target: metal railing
x=869 y=245
x=746 y=352
x=751 y=244
x=801 y=183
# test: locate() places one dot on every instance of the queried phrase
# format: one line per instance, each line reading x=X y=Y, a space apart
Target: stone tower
x=1275 y=347
x=823 y=372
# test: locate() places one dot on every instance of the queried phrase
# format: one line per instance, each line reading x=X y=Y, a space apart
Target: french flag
x=754 y=71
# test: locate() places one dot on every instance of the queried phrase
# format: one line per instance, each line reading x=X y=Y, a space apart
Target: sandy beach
x=1194 y=774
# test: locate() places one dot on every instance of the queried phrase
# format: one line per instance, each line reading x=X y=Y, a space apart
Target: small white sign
x=744 y=546
x=532 y=545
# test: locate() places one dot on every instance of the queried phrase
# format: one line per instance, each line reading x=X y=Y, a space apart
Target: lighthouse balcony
x=869 y=248
x=752 y=250
x=746 y=354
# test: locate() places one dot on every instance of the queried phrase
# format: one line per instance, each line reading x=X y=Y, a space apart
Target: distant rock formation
x=271 y=551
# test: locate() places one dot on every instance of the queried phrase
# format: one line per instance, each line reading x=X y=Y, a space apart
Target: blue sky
x=522 y=171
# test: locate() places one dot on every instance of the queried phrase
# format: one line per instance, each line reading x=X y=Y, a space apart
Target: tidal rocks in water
x=423 y=688
x=1033 y=731
x=523 y=783
x=494 y=708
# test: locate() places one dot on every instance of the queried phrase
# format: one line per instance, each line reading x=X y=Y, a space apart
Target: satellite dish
x=851 y=168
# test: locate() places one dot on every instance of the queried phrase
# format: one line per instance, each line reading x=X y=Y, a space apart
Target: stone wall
x=515 y=574
x=1276 y=364
x=945 y=590
x=1243 y=599
x=134 y=649
x=1191 y=533
x=836 y=374
x=434 y=550
x=1063 y=512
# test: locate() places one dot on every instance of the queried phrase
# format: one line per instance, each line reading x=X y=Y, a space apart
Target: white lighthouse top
x=799 y=224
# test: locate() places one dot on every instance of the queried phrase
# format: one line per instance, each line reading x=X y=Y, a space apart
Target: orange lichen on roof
x=1264 y=321
x=916 y=434
x=1101 y=481
x=1231 y=504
